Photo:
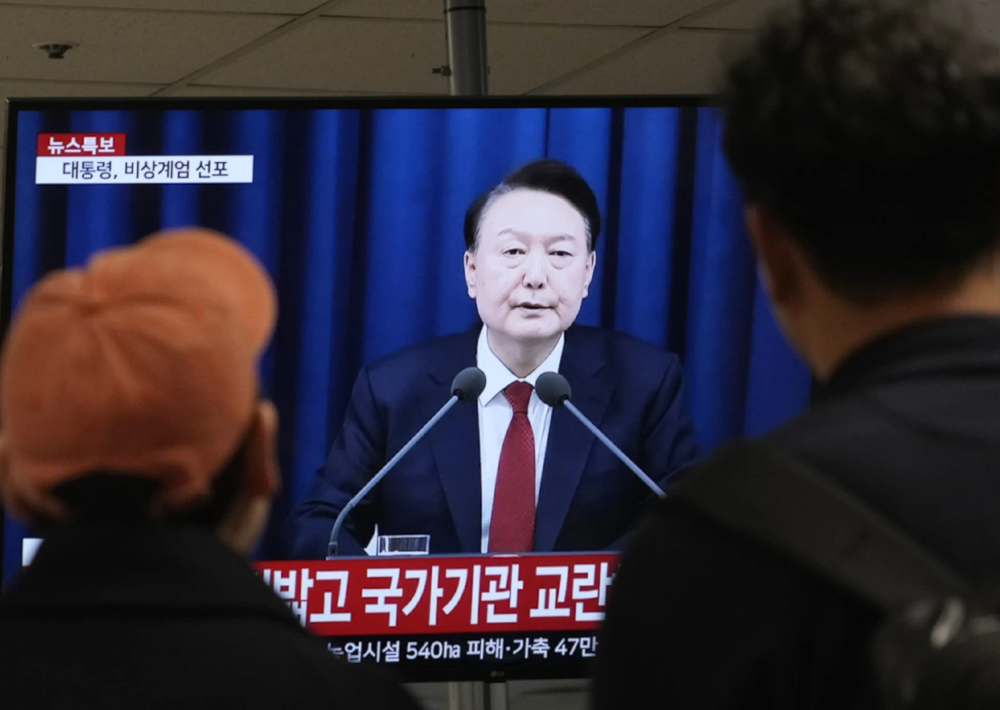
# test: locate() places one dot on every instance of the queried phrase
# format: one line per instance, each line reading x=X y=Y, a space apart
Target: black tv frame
x=14 y=106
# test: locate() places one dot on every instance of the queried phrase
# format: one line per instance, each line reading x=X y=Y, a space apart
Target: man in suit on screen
x=509 y=474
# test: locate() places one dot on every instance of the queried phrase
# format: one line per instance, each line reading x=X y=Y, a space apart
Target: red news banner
x=397 y=596
x=63 y=144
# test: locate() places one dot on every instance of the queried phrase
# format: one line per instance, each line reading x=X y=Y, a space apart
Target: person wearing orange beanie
x=132 y=435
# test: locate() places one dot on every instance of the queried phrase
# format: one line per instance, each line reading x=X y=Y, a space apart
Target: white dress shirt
x=495 y=414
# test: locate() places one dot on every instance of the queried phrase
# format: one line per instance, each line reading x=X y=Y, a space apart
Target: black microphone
x=554 y=390
x=466 y=387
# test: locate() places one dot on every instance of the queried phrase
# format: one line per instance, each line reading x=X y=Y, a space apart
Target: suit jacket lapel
x=455 y=444
x=569 y=442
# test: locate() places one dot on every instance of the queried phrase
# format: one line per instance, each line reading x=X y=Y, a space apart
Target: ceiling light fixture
x=55 y=50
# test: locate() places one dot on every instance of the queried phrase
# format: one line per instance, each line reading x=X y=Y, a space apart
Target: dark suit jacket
x=700 y=618
x=587 y=500
x=164 y=617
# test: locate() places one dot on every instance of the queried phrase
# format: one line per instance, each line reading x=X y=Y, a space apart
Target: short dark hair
x=547 y=175
x=120 y=497
x=870 y=130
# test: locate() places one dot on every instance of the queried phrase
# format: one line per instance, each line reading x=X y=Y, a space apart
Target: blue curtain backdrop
x=358 y=213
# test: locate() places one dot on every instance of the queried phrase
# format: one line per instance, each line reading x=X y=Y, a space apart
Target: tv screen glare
x=602 y=239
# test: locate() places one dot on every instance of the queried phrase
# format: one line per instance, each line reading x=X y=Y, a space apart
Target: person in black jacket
x=866 y=137
x=133 y=437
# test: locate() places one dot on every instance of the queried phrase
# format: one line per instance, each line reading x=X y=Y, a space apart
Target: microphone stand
x=614 y=449
x=333 y=547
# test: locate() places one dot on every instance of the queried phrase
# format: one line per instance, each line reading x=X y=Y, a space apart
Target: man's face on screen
x=532 y=266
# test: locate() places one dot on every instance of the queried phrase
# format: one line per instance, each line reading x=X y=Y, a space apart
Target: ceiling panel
x=741 y=15
x=118 y=46
x=344 y=55
x=254 y=92
x=645 y=13
x=33 y=89
x=525 y=56
x=286 y=7
x=390 y=56
x=396 y=9
x=679 y=62
x=65 y=89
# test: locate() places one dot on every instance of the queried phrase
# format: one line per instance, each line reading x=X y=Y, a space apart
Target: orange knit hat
x=144 y=362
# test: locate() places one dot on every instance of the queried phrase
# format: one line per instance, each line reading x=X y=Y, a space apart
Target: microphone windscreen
x=553 y=389
x=469 y=384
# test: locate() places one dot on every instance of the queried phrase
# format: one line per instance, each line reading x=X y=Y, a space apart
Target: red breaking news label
x=445 y=595
x=58 y=145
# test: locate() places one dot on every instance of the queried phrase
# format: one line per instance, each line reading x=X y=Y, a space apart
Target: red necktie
x=512 y=527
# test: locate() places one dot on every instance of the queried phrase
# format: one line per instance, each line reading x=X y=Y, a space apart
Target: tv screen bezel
x=15 y=106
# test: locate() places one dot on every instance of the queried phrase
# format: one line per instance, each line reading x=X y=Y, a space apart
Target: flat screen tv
x=599 y=238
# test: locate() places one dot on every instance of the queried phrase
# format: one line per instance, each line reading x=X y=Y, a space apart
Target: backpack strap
x=783 y=504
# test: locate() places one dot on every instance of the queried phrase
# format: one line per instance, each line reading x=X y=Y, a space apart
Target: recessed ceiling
x=278 y=7
x=684 y=62
x=331 y=54
x=121 y=46
x=740 y=15
x=288 y=47
x=636 y=13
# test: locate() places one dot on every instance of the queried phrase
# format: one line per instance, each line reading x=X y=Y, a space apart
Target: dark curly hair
x=545 y=175
x=870 y=130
